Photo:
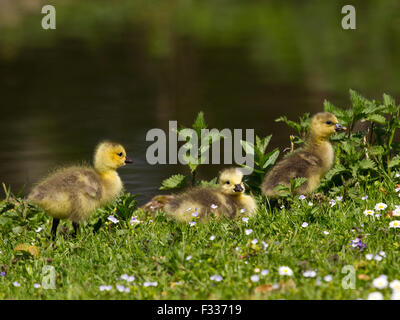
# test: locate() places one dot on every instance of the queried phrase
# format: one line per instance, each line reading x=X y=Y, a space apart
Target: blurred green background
x=115 y=69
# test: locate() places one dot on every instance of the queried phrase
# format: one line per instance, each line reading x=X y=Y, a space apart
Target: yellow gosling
x=311 y=162
x=74 y=193
x=225 y=200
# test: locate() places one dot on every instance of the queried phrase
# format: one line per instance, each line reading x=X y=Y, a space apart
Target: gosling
x=312 y=161
x=74 y=193
x=225 y=200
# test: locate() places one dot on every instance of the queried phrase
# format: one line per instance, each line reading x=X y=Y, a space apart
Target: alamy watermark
x=193 y=153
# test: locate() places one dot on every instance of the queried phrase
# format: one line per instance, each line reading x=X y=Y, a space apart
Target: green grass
x=157 y=250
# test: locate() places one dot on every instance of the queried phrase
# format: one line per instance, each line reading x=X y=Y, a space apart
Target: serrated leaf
x=173 y=182
x=271 y=160
x=376 y=151
x=376 y=118
x=247 y=147
x=394 y=162
x=199 y=123
x=367 y=164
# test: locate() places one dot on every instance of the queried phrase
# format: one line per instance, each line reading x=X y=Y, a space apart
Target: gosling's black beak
x=128 y=160
x=238 y=188
x=340 y=128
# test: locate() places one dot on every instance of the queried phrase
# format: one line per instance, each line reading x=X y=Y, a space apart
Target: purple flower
x=3 y=273
x=357 y=243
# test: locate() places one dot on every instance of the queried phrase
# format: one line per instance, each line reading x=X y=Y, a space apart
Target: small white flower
x=257 y=270
x=188 y=209
x=396 y=212
x=339 y=198
x=282 y=207
x=16 y=284
x=369 y=256
x=326 y=232
x=195 y=214
x=397 y=175
x=378 y=215
x=332 y=202
x=395 y=285
x=382 y=253
x=189 y=257
x=254 y=241
x=264 y=272
x=39 y=229
x=380 y=282
x=364 y=198
x=302 y=197
x=122 y=288
x=212 y=238
x=242 y=210
x=112 y=219
x=304 y=225
x=216 y=278
x=378 y=257
x=369 y=212
x=380 y=206
x=105 y=288
x=264 y=244
x=394 y=224
x=213 y=206
x=255 y=278
x=285 y=271
x=237 y=248
x=248 y=231
x=328 y=278
x=150 y=284
x=127 y=278
x=375 y=296
x=309 y=274
x=245 y=219
x=36 y=285
x=310 y=204
x=192 y=223
x=395 y=295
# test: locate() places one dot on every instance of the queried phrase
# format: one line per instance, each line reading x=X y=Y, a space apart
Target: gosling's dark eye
x=329 y=122
x=227 y=182
x=120 y=154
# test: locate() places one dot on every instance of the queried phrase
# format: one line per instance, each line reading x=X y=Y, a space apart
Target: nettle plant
x=193 y=153
x=367 y=153
x=263 y=161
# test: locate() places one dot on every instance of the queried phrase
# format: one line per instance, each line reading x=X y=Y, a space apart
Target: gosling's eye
x=329 y=122
x=120 y=154
x=227 y=182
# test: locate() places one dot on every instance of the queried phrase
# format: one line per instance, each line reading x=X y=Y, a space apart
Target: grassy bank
x=182 y=260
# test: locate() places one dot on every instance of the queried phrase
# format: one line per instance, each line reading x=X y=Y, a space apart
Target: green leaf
x=272 y=159
x=376 y=150
x=394 y=162
x=199 y=123
x=367 y=164
x=247 y=146
x=376 y=118
x=175 y=181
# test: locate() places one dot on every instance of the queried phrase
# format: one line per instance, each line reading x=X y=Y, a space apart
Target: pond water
x=58 y=101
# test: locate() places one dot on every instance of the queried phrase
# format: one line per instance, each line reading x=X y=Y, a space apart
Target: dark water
x=58 y=102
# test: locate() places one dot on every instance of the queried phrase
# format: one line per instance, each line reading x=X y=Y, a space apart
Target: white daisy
x=395 y=295
x=378 y=257
x=369 y=212
x=364 y=198
x=395 y=285
x=255 y=278
x=248 y=231
x=285 y=271
x=394 y=224
x=212 y=238
x=375 y=296
x=396 y=212
x=304 y=225
x=380 y=206
x=380 y=282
